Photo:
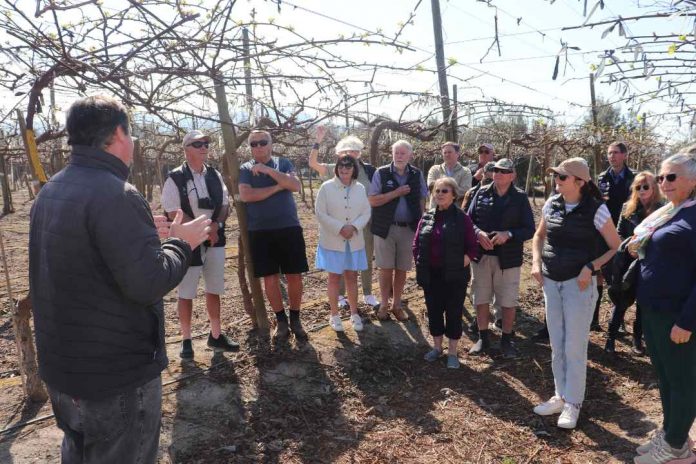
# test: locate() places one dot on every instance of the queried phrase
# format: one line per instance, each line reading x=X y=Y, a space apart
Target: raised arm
x=314 y=154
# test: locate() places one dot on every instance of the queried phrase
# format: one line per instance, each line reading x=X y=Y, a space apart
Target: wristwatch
x=221 y=225
x=509 y=234
x=590 y=266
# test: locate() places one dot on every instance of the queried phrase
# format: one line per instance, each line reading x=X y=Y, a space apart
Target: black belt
x=401 y=224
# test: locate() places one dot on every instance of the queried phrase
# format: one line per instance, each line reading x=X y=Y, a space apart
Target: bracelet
x=315 y=146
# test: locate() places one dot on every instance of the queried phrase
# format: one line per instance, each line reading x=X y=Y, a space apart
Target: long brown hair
x=645 y=177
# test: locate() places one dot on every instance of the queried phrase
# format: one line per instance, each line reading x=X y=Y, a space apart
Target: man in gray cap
x=503 y=221
x=198 y=189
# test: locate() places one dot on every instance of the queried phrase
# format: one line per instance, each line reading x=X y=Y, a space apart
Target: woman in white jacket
x=343 y=211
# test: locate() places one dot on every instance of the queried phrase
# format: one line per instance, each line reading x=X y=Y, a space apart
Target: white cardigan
x=335 y=207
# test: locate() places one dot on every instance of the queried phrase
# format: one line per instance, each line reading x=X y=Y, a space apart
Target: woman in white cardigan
x=343 y=211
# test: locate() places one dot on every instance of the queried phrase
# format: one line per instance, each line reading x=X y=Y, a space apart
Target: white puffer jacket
x=338 y=205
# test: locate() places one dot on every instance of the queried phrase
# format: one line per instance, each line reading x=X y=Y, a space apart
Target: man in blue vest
x=197 y=189
x=266 y=185
x=397 y=195
x=97 y=274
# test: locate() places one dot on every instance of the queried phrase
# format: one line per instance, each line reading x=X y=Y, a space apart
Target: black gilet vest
x=383 y=216
x=452 y=233
x=571 y=239
x=180 y=176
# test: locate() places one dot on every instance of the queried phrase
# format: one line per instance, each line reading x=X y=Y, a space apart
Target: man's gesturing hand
x=193 y=232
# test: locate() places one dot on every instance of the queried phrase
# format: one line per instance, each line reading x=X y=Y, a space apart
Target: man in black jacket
x=503 y=221
x=97 y=274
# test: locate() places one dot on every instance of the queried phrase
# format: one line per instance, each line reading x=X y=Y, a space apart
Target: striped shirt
x=601 y=216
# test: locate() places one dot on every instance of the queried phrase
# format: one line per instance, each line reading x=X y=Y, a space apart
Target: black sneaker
x=542 y=335
x=186 y=349
x=282 y=330
x=481 y=346
x=507 y=347
x=296 y=328
x=610 y=347
x=222 y=343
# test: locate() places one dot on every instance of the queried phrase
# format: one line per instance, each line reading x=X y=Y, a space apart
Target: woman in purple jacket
x=443 y=247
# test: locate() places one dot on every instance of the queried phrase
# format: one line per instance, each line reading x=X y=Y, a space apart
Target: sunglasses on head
x=199 y=144
x=502 y=171
x=642 y=187
x=443 y=190
x=258 y=143
x=560 y=176
x=669 y=178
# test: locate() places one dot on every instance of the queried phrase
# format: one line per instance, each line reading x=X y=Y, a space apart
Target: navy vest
x=383 y=216
x=180 y=176
x=452 y=233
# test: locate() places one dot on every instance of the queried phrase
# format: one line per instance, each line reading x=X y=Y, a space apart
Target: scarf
x=660 y=217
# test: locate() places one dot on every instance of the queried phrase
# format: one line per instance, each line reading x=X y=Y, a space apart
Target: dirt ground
x=354 y=397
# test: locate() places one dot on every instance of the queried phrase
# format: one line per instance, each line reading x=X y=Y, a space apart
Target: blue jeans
x=568 y=317
x=121 y=429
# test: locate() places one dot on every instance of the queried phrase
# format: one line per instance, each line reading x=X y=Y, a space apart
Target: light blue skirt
x=336 y=262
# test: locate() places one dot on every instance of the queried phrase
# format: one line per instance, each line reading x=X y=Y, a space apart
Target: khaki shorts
x=394 y=252
x=490 y=280
x=213 y=270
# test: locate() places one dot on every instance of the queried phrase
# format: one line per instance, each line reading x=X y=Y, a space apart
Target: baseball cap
x=487 y=146
x=573 y=167
x=489 y=167
x=195 y=135
x=504 y=163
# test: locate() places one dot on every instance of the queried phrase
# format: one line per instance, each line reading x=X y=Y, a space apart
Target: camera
x=205 y=203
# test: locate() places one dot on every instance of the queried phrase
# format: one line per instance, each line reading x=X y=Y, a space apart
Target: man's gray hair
x=685 y=158
x=350 y=143
x=402 y=143
x=261 y=131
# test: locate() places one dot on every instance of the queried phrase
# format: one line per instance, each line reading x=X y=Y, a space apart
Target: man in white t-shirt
x=198 y=189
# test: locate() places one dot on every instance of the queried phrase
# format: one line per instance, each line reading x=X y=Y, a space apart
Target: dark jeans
x=121 y=429
x=675 y=365
x=617 y=317
x=445 y=299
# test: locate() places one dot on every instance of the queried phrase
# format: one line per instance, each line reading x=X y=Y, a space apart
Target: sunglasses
x=560 y=176
x=669 y=178
x=502 y=171
x=261 y=143
x=642 y=187
x=345 y=165
x=199 y=144
x=442 y=190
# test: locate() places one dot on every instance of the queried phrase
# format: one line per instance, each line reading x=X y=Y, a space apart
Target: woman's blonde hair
x=450 y=182
x=645 y=177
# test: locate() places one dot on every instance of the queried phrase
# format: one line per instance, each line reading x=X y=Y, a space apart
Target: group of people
x=101 y=262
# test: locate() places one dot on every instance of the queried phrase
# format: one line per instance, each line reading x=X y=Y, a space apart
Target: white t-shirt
x=196 y=189
x=600 y=217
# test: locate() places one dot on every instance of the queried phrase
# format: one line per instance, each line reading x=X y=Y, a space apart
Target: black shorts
x=278 y=251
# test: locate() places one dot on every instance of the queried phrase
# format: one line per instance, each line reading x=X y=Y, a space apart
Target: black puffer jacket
x=97 y=274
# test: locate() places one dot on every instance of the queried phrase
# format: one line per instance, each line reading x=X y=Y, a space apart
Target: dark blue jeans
x=121 y=429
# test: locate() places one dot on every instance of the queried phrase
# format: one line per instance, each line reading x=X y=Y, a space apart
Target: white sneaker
x=357 y=322
x=336 y=323
x=553 y=406
x=569 y=416
x=654 y=440
x=663 y=453
x=370 y=300
x=342 y=301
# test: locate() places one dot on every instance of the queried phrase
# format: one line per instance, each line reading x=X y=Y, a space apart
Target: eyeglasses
x=502 y=171
x=560 y=176
x=669 y=178
x=442 y=190
x=258 y=143
x=199 y=144
x=642 y=187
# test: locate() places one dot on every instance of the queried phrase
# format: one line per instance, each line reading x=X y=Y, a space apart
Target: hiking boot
x=507 y=347
x=610 y=347
x=542 y=335
x=222 y=344
x=569 y=416
x=186 y=349
x=297 y=330
x=282 y=330
x=482 y=345
x=662 y=453
x=553 y=405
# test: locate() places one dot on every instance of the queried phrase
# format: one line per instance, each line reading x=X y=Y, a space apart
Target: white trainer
x=370 y=300
x=569 y=416
x=663 y=453
x=553 y=406
x=342 y=301
x=357 y=322
x=336 y=323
